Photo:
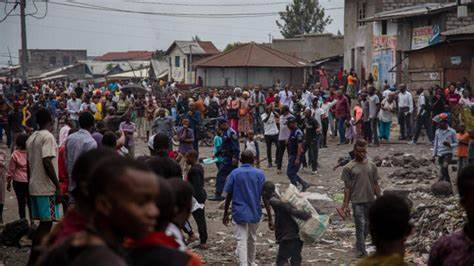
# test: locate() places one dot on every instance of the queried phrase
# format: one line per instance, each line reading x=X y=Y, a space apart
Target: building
x=380 y=34
x=125 y=56
x=182 y=54
x=311 y=47
x=44 y=60
x=251 y=64
x=450 y=60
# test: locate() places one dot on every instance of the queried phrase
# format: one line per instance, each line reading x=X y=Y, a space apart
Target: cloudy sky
x=98 y=31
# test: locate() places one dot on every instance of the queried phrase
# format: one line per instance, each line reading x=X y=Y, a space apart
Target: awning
x=411 y=11
x=140 y=73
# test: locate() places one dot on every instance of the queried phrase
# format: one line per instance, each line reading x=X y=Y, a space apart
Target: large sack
x=314 y=227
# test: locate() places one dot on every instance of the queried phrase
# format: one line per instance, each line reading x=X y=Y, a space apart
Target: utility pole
x=24 y=49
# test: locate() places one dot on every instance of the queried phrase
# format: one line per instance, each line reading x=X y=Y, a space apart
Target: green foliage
x=231 y=46
x=301 y=17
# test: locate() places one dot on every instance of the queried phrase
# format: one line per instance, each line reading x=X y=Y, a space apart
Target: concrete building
x=311 y=47
x=380 y=33
x=44 y=60
x=251 y=64
x=182 y=54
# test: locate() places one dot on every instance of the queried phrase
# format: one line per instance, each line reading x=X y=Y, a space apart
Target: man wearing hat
x=295 y=152
x=229 y=151
x=444 y=143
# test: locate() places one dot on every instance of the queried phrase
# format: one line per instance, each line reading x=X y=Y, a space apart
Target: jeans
x=404 y=119
x=462 y=162
x=200 y=218
x=374 y=127
x=21 y=193
x=312 y=147
x=423 y=121
x=3 y=127
x=367 y=131
x=269 y=140
x=384 y=129
x=292 y=172
x=341 y=129
x=257 y=122
x=324 y=136
x=361 y=221
x=246 y=235
x=443 y=161
x=280 y=152
x=222 y=173
x=289 y=252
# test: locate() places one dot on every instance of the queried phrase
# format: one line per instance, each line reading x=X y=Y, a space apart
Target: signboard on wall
x=384 y=42
x=382 y=63
x=425 y=36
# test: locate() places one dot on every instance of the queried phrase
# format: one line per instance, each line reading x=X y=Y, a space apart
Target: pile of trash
x=410 y=175
x=401 y=160
x=433 y=220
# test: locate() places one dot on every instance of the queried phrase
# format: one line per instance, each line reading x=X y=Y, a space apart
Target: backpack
x=13 y=232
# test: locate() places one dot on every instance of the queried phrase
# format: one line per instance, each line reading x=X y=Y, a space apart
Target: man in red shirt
x=342 y=112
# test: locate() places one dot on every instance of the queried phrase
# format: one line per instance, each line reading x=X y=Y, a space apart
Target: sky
x=66 y=27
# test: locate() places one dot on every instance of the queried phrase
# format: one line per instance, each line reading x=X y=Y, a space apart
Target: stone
x=442 y=188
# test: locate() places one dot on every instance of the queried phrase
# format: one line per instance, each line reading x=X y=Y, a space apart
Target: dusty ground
x=334 y=248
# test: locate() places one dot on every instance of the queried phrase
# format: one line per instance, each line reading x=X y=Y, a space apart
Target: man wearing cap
x=444 y=143
x=229 y=151
x=295 y=152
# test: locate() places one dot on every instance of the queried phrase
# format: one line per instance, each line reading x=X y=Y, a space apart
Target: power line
x=209 y=5
x=7 y=14
x=188 y=15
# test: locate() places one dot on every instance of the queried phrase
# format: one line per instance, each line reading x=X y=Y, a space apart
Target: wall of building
x=242 y=77
x=441 y=64
x=44 y=60
x=453 y=22
x=311 y=46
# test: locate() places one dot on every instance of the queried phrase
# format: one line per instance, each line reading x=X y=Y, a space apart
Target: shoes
x=412 y=142
x=269 y=165
x=279 y=172
x=361 y=254
x=314 y=172
x=216 y=198
x=202 y=246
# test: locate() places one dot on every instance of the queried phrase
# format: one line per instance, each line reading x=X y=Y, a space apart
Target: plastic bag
x=312 y=229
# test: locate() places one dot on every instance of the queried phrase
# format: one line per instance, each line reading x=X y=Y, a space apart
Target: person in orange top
x=463 y=145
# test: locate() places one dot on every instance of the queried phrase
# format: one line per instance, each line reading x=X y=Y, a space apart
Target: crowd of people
x=72 y=162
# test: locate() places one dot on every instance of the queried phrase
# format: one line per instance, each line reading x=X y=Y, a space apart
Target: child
x=286 y=229
x=462 y=149
x=252 y=145
x=388 y=211
x=17 y=172
x=350 y=130
x=186 y=137
x=183 y=194
x=195 y=177
x=217 y=145
x=128 y=128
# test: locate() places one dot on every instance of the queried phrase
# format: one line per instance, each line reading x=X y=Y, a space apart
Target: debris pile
x=405 y=176
x=401 y=160
x=431 y=221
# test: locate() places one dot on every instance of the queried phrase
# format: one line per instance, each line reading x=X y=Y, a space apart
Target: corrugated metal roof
x=194 y=47
x=460 y=31
x=128 y=55
x=410 y=11
x=252 y=55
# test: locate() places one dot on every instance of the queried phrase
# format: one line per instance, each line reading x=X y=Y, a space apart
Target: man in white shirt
x=270 y=131
x=73 y=109
x=283 y=135
x=423 y=118
x=405 y=110
x=285 y=96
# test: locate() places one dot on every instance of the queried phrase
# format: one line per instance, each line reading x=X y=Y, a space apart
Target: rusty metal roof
x=252 y=55
x=460 y=31
x=410 y=11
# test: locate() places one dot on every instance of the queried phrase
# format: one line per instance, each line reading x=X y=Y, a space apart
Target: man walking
x=444 y=143
x=423 y=117
x=374 y=108
x=244 y=189
x=282 y=136
x=270 y=131
x=312 y=135
x=295 y=153
x=405 y=109
x=361 y=187
x=229 y=152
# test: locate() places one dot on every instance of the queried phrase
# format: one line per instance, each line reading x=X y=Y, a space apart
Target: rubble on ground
x=440 y=217
x=401 y=160
x=405 y=176
x=442 y=188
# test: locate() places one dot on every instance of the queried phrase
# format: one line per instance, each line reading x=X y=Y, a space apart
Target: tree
x=301 y=17
x=231 y=46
